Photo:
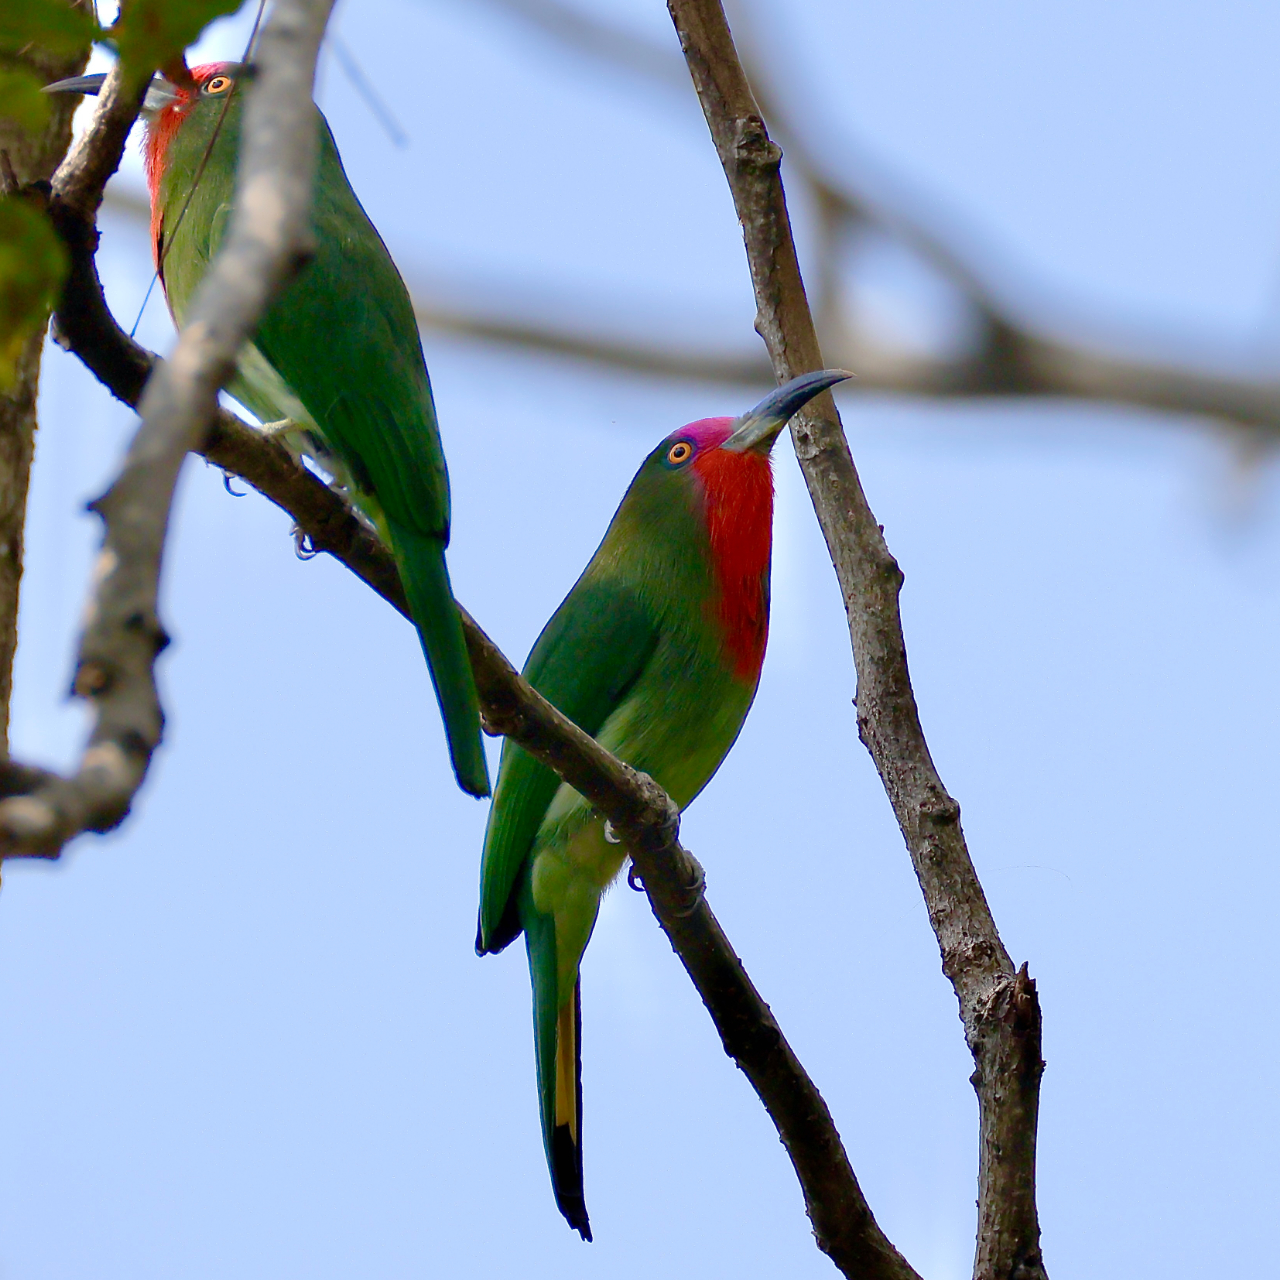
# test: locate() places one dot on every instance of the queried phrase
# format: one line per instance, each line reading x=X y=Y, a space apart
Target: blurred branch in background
x=998 y=349
x=993 y=348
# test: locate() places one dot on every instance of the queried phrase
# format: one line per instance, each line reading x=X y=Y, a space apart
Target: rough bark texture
x=31 y=158
x=997 y=1005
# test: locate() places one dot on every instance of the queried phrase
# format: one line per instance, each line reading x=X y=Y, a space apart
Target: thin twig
x=998 y=1005
x=268 y=237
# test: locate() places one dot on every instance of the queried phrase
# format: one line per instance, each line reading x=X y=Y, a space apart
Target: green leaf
x=151 y=33
x=50 y=24
x=22 y=102
x=33 y=264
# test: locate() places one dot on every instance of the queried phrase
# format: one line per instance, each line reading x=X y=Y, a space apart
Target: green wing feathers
x=585 y=661
x=426 y=583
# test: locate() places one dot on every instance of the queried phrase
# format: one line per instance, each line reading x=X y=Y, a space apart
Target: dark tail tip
x=470 y=780
x=566 y=1174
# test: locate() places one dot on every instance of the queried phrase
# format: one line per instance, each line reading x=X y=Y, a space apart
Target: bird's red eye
x=679 y=452
x=218 y=84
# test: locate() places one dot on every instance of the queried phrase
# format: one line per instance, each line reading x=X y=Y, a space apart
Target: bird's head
x=716 y=449
x=209 y=83
x=168 y=106
x=702 y=503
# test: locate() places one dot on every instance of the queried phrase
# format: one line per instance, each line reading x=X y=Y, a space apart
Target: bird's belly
x=573 y=867
x=679 y=727
x=678 y=739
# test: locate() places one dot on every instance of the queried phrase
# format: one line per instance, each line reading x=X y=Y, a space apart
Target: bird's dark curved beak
x=160 y=93
x=760 y=427
x=77 y=84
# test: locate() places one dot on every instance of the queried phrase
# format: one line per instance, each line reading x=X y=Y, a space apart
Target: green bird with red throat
x=336 y=365
x=656 y=652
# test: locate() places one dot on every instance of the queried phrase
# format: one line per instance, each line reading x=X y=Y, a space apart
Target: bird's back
x=337 y=352
x=341 y=336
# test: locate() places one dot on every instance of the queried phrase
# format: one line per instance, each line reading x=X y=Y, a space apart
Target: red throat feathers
x=738 y=496
x=161 y=129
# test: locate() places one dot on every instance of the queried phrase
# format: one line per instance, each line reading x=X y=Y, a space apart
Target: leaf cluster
x=153 y=33
x=50 y=26
x=33 y=265
x=33 y=261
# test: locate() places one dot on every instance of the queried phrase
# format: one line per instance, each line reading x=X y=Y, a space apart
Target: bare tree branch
x=998 y=1005
x=269 y=233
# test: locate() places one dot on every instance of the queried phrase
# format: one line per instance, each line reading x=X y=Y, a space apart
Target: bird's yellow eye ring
x=679 y=452
x=218 y=84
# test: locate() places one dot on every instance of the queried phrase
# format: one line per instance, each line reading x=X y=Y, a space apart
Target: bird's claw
x=227 y=478
x=695 y=890
x=633 y=879
x=302 y=545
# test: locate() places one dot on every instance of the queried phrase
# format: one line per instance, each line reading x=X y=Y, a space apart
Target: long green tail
x=557 y=1038
x=420 y=558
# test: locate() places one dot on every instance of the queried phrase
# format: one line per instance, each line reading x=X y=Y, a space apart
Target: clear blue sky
x=247 y=1035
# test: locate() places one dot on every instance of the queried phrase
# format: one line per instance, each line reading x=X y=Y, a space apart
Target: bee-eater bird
x=337 y=356
x=656 y=652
